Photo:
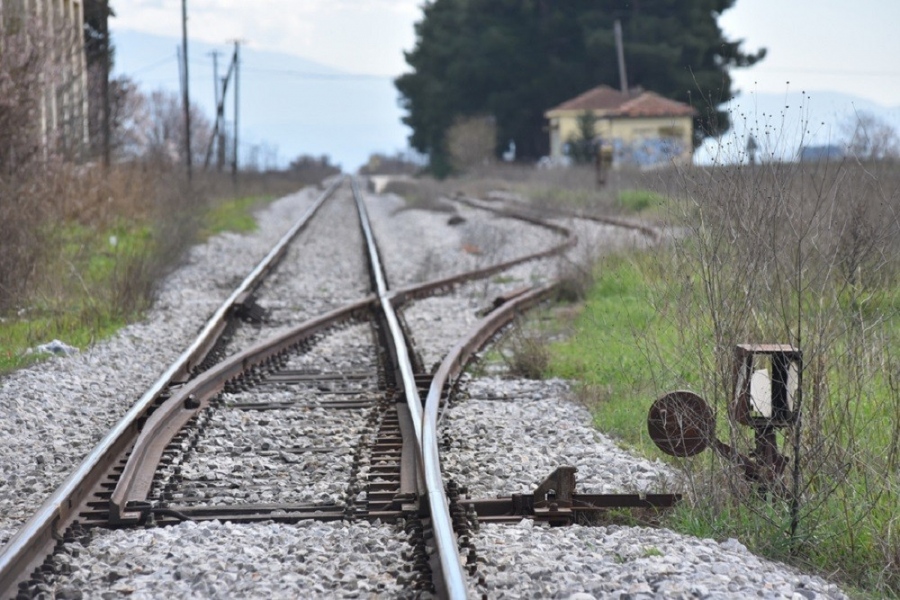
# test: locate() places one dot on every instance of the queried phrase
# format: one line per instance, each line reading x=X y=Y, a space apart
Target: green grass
x=605 y=355
x=626 y=351
x=97 y=282
x=638 y=201
x=78 y=303
x=233 y=215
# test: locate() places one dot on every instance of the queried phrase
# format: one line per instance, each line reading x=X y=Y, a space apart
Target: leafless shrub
x=22 y=242
x=871 y=138
x=471 y=141
x=805 y=255
x=574 y=281
x=311 y=169
x=152 y=129
x=528 y=354
x=422 y=193
x=149 y=197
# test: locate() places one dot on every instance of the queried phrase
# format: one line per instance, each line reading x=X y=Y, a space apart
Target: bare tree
x=471 y=141
x=869 y=137
x=151 y=126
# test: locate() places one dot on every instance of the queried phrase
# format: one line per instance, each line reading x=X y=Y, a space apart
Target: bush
x=640 y=200
x=471 y=141
x=808 y=256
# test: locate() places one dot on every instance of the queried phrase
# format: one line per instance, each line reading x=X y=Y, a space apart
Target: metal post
x=620 y=52
x=237 y=96
x=187 y=96
x=219 y=134
x=107 y=130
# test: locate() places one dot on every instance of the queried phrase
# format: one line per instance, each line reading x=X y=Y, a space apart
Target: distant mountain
x=783 y=123
x=303 y=107
x=296 y=105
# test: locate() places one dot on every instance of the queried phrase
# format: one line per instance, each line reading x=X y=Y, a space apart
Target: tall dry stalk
x=805 y=255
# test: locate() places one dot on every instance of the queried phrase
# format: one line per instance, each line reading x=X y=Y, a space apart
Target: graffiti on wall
x=647 y=153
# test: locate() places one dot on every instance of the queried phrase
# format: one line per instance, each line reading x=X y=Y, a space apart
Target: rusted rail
x=449 y=579
x=525 y=211
x=452 y=365
x=569 y=240
x=129 y=500
x=36 y=539
x=128 y=504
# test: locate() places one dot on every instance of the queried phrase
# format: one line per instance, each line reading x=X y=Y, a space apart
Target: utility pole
x=218 y=134
x=219 y=129
x=237 y=96
x=620 y=51
x=107 y=130
x=187 y=95
x=215 y=57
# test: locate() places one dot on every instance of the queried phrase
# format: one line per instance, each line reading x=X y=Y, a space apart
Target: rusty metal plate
x=681 y=424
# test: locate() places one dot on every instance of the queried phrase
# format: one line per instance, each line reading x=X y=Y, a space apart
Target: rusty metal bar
x=195 y=354
x=171 y=417
x=452 y=366
x=523 y=505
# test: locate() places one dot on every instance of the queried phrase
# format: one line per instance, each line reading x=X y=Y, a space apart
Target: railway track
x=135 y=476
x=321 y=436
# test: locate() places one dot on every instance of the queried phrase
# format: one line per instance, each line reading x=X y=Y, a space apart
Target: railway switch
x=766 y=397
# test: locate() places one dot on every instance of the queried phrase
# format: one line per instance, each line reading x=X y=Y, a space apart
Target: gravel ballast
x=226 y=560
x=56 y=411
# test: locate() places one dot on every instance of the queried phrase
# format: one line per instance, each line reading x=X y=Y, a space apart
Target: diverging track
x=298 y=403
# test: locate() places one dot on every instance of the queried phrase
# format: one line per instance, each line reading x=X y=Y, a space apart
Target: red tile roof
x=601 y=97
x=613 y=103
x=651 y=104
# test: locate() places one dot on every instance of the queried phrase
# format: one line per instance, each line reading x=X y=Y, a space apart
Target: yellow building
x=640 y=128
x=58 y=27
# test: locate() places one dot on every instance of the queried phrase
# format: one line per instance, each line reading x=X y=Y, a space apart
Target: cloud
x=352 y=35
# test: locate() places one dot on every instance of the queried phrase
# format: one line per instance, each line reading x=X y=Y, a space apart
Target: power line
x=205 y=62
x=165 y=61
x=325 y=76
x=853 y=72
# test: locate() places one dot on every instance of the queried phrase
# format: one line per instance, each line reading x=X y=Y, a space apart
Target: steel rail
x=452 y=365
x=404 y=363
x=451 y=581
x=127 y=503
x=22 y=553
x=420 y=290
x=648 y=230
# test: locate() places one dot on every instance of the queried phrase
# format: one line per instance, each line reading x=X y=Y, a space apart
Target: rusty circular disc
x=681 y=424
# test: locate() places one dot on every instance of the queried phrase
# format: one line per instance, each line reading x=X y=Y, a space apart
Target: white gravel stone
x=529 y=561
x=273 y=456
x=523 y=430
x=225 y=560
x=55 y=412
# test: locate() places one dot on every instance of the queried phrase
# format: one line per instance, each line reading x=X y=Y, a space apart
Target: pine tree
x=514 y=59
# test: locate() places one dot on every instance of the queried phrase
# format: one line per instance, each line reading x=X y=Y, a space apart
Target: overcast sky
x=838 y=45
x=848 y=46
